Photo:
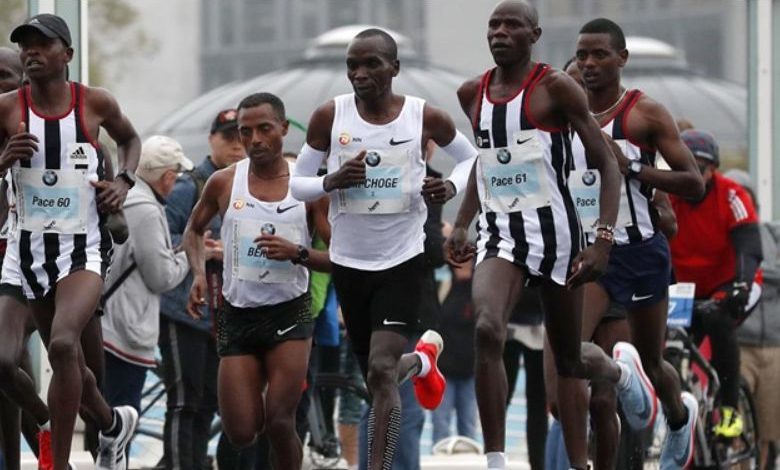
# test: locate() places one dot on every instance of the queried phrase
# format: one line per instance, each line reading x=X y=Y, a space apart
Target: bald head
x=519 y=8
x=10 y=70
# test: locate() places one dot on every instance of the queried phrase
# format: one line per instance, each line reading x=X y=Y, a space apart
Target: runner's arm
x=305 y=185
x=439 y=126
x=193 y=240
x=119 y=128
x=684 y=180
x=667 y=220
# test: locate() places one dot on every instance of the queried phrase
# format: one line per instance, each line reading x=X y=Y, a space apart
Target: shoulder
x=325 y=111
x=9 y=110
x=433 y=116
x=651 y=111
x=557 y=81
x=100 y=100
x=469 y=90
x=220 y=179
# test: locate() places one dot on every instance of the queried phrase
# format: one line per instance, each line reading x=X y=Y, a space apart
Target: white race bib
x=249 y=260
x=386 y=190
x=515 y=177
x=52 y=201
x=585 y=188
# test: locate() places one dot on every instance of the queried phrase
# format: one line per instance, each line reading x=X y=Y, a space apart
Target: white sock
x=625 y=375
x=495 y=460
x=425 y=364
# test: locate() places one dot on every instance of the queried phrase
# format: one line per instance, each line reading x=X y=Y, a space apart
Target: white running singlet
x=10 y=269
x=249 y=278
x=379 y=225
x=527 y=215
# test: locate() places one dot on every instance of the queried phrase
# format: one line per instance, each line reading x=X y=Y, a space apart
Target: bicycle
x=325 y=452
x=699 y=377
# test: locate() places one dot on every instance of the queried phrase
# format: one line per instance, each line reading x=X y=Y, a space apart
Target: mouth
x=499 y=46
x=33 y=64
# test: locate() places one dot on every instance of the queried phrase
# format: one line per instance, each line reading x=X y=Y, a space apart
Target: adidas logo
x=79 y=154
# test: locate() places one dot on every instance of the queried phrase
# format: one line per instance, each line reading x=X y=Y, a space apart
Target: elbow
x=695 y=187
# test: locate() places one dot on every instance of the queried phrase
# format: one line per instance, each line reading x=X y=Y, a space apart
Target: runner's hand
x=19 y=146
x=622 y=160
x=437 y=190
x=352 y=172
x=589 y=264
x=197 y=298
x=111 y=195
x=457 y=249
x=277 y=248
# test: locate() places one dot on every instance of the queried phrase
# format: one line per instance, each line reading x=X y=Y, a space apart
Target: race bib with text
x=386 y=189
x=249 y=260
x=52 y=201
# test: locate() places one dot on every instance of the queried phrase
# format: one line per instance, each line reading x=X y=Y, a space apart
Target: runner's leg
x=241 y=382
x=286 y=364
x=496 y=288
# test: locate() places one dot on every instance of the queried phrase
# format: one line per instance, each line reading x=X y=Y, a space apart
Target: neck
x=605 y=99
x=276 y=168
x=378 y=109
x=49 y=92
x=516 y=72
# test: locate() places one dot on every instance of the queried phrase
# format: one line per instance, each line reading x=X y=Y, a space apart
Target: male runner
x=264 y=333
x=373 y=140
x=529 y=229
x=51 y=127
x=639 y=267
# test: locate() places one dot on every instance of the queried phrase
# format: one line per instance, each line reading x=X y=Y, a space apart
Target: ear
x=623 y=57
x=536 y=34
x=396 y=67
x=69 y=53
x=285 y=127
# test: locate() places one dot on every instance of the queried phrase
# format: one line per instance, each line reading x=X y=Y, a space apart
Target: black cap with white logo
x=52 y=26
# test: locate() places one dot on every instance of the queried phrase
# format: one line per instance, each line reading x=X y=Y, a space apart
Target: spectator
x=456 y=362
x=188 y=349
x=759 y=335
x=718 y=247
x=142 y=269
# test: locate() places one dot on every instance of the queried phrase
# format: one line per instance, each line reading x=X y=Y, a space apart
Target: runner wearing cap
x=51 y=128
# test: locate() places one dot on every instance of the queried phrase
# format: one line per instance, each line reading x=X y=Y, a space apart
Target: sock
x=625 y=376
x=677 y=426
x=391 y=438
x=425 y=364
x=495 y=460
x=116 y=425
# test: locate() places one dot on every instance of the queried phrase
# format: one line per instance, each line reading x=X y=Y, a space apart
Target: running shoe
x=111 y=451
x=677 y=451
x=45 y=461
x=430 y=389
x=730 y=424
x=637 y=398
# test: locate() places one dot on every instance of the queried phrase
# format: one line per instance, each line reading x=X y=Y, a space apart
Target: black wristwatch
x=128 y=177
x=303 y=255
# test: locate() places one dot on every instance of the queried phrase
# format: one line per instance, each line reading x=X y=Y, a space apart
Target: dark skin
x=371 y=68
x=557 y=102
x=61 y=317
x=282 y=368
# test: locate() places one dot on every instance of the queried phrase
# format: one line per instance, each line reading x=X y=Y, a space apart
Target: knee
x=490 y=334
x=381 y=373
x=62 y=350
x=241 y=438
x=280 y=426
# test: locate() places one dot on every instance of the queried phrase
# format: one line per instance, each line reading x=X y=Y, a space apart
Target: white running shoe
x=111 y=451
x=637 y=398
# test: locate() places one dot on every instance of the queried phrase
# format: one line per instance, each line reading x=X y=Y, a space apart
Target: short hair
x=257 y=99
x=571 y=60
x=391 y=47
x=605 y=26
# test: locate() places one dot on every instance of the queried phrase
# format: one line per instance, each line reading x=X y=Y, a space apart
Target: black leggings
x=719 y=326
x=536 y=402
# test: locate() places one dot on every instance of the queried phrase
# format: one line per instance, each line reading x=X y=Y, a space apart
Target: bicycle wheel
x=324 y=448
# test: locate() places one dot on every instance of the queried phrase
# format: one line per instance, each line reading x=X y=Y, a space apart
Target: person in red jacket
x=718 y=247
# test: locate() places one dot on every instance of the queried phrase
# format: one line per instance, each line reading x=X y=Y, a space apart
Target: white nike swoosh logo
x=388 y=322
x=285 y=331
x=634 y=297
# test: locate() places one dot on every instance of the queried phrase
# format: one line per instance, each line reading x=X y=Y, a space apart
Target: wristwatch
x=634 y=168
x=128 y=177
x=303 y=255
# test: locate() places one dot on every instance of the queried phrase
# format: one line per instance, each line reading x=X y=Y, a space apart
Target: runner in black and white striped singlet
x=521 y=112
x=50 y=129
x=639 y=268
x=47 y=253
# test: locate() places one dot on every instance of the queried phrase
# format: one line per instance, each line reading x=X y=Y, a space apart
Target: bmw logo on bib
x=49 y=178
x=373 y=159
x=503 y=156
x=588 y=178
x=268 y=229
